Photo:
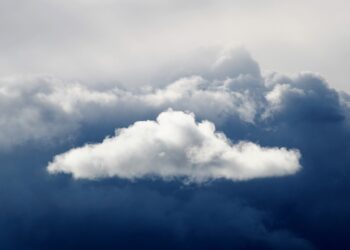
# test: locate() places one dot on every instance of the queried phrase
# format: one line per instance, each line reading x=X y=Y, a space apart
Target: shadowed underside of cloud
x=175 y=146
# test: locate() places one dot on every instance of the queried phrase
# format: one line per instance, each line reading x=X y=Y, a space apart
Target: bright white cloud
x=175 y=146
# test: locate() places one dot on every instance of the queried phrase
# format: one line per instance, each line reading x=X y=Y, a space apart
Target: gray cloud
x=49 y=110
x=39 y=108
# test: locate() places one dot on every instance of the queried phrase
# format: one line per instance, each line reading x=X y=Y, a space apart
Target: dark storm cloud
x=303 y=211
x=40 y=212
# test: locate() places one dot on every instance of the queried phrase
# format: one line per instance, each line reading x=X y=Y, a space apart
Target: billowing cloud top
x=175 y=146
x=46 y=108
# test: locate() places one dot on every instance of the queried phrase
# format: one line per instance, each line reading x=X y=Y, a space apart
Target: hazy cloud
x=107 y=40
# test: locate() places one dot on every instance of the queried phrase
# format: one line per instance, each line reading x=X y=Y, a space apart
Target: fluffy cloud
x=25 y=117
x=42 y=108
x=46 y=109
x=175 y=146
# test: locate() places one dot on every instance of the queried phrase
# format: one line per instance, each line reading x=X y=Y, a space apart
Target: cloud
x=305 y=96
x=175 y=146
x=45 y=109
x=25 y=117
x=85 y=45
x=272 y=110
x=48 y=109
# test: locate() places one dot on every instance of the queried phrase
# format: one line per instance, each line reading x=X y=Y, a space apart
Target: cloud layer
x=47 y=109
x=40 y=211
x=50 y=110
x=175 y=146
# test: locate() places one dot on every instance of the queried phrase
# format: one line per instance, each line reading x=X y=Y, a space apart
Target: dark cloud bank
x=307 y=210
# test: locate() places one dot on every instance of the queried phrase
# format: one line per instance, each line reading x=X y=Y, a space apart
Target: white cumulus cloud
x=175 y=146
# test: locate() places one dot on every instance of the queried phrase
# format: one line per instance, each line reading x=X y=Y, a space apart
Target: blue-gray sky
x=174 y=125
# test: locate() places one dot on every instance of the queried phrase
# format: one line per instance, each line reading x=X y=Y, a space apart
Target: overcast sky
x=130 y=41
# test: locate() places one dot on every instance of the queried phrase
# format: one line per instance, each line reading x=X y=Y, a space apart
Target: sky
x=174 y=124
x=131 y=41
